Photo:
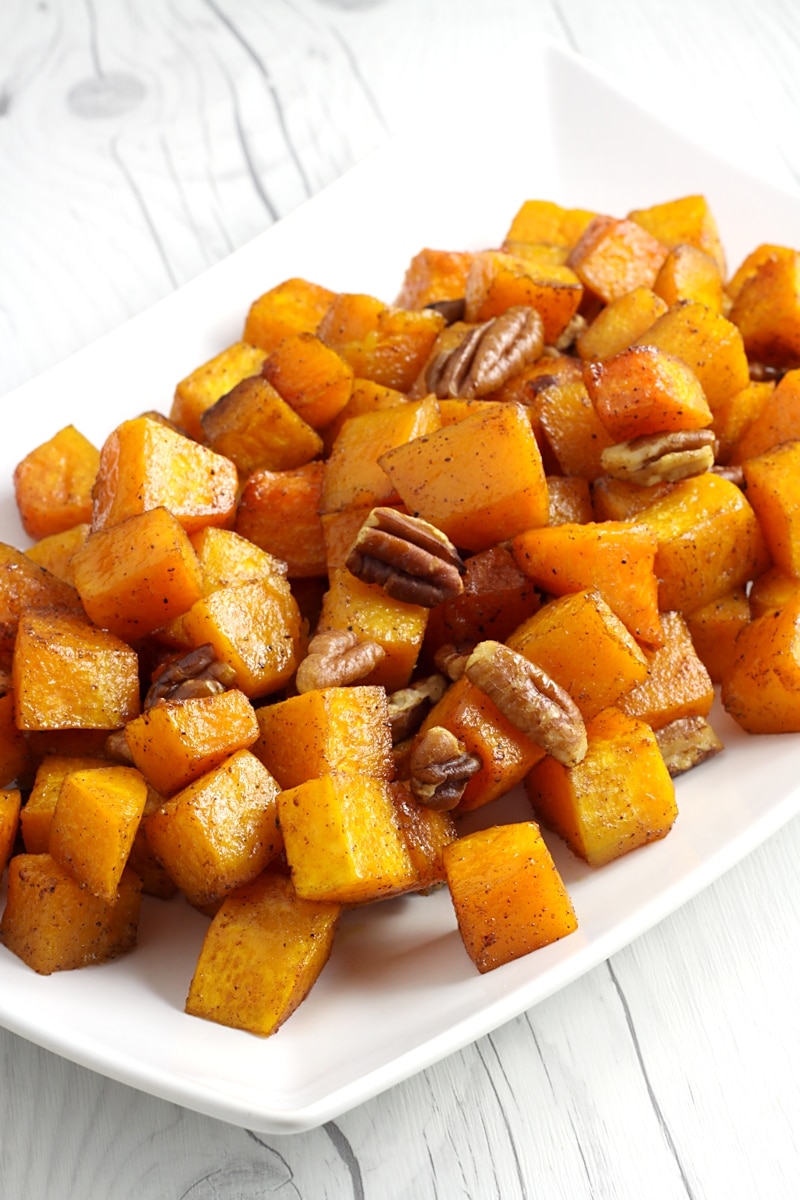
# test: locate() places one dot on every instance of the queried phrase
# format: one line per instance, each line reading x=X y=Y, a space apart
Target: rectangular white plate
x=399 y=992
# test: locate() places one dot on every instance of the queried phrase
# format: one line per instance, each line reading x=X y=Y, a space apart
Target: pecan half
x=570 y=333
x=440 y=769
x=451 y=660
x=487 y=355
x=733 y=473
x=336 y=658
x=410 y=559
x=687 y=742
x=409 y=706
x=198 y=673
x=532 y=701
x=661 y=457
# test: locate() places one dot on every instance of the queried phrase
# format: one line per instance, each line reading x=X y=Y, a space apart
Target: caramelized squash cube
x=508 y=896
x=574 y=433
x=55 y=552
x=619 y=323
x=498 y=281
x=68 y=674
x=204 y=386
x=677 y=685
x=36 y=818
x=547 y=223
x=176 y=741
x=386 y=344
x=280 y=512
x=688 y=273
x=644 y=390
x=715 y=626
x=226 y=557
x=342 y=840
x=688 y=219
x=254 y=427
x=53 y=924
x=24 y=584
x=15 y=755
x=426 y=832
x=761 y=688
x=621 y=796
x=220 y=831
x=773 y=489
x=772 y=590
x=311 y=377
x=614 y=256
x=708 y=343
x=294 y=306
x=263 y=952
x=53 y=483
x=774 y=421
x=497 y=597
x=326 y=731
x=432 y=276
x=767 y=312
x=95 y=821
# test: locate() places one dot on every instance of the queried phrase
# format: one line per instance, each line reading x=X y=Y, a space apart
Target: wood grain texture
x=141 y=143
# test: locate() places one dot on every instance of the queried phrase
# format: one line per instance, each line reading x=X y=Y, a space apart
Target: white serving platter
x=399 y=992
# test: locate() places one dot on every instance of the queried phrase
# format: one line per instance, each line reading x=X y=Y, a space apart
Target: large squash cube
x=53 y=924
x=688 y=220
x=146 y=464
x=135 y=576
x=280 y=512
x=68 y=674
x=342 y=839
x=177 y=741
x=620 y=323
x=498 y=281
x=325 y=731
x=220 y=831
x=773 y=420
x=708 y=343
x=508 y=896
x=262 y=953
x=53 y=483
x=94 y=824
x=619 y=797
x=644 y=390
x=497 y=597
x=480 y=480
x=767 y=311
x=311 y=377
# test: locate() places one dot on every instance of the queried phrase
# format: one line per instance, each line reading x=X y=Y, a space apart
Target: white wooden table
x=141 y=142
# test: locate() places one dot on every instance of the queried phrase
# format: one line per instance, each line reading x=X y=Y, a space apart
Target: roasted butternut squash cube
x=688 y=273
x=177 y=741
x=774 y=421
x=505 y=753
x=432 y=276
x=619 y=499
x=353 y=473
x=508 y=896
x=263 y=951
x=36 y=818
x=619 y=323
x=53 y=924
x=280 y=512
x=498 y=281
x=614 y=256
x=342 y=839
x=761 y=688
x=340 y=530
x=772 y=590
x=68 y=674
x=325 y=731
x=610 y=557
x=714 y=628
x=548 y=223
x=773 y=489
x=255 y=627
x=644 y=390
x=621 y=796
x=751 y=263
x=688 y=219
x=311 y=377
x=10 y=804
x=585 y=648
x=734 y=417
x=293 y=306
x=254 y=427
x=569 y=500
x=24 y=584
x=226 y=558
x=709 y=541
x=426 y=832
x=366 y=397
x=95 y=821
x=145 y=464
x=380 y=342
x=708 y=343
x=767 y=312
x=136 y=575
x=53 y=483
x=55 y=552
x=398 y=627
x=572 y=429
x=204 y=386
x=220 y=831
x=15 y=754
x=677 y=685
x=480 y=481
x=497 y=597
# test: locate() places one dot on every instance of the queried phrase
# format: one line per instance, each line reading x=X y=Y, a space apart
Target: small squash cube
x=254 y=427
x=24 y=584
x=426 y=832
x=621 y=796
x=773 y=489
x=280 y=512
x=53 y=924
x=614 y=256
x=386 y=344
x=53 y=483
x=688 y=219
x=767 y=311
x=68 y=674
x=432 y=276
x=220 y=831
x=55 y=552
x=498 y=281
x=715 y=626
x=204 y=386
x=508 y=896
x=36 y=818
x=688 y=273
x=677 y=684
x=95 y=821
x=262 y=953
x=644 y=390
x=775 y=420
x=311 y=377
x=342 y=839
x=761 y=688
x=708 y=343
x=571 y=429
x=619 y=323
x=293 y=306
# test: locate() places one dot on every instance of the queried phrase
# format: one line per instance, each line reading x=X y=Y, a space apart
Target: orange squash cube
x=714 y=628
x=497 y=597
x=293 y=306
x=621 y=796
x=569 y=500
x=761 y=688
x=644 y=390
x=55 y=552
x=571 y=428
x=734 y=417
x=24 y=584
x=145 y=464
x=688 y=273
x=10 y=804
x=280 y=512
x=254 y=427
x=772 y=590
x=614 y=256
x=434 y=275
x=386 y=344
x=547 y=223
x=767 y=311
x=498 y=281
x=708 y=343
x=15 y=755
x=95 y=821
x=776 y=420
x=220 y=831
x=480 y=481
x=36 y=818
x=425 y=832
x=677 y=684
x=68 y=674
x=204 y=386
x=688 y=219
x=619 y=323
x=53 y=483
x=773 y=489
x=311 y=377
x=508 y=896
x=263 y=951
